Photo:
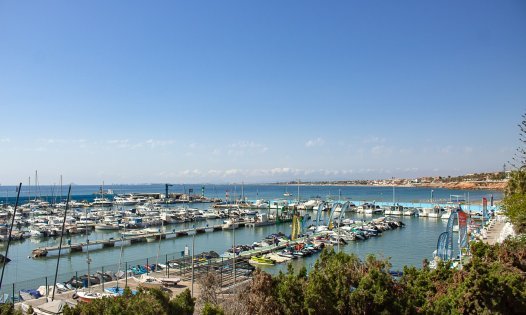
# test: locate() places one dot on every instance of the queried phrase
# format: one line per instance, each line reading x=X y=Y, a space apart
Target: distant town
x=493 y=180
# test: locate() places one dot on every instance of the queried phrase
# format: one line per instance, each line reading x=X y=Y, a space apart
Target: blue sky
x=222 y=91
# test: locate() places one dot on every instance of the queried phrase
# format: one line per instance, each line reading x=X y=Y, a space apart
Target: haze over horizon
x=220 y=92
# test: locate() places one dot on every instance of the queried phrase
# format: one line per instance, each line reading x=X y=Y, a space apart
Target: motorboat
x=261 y=260
x=230 y=224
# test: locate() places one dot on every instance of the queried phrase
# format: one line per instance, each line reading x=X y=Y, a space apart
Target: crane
x=166 y=188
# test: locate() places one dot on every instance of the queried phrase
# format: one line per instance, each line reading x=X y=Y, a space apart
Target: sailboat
x=287 y=194
x=88 y=296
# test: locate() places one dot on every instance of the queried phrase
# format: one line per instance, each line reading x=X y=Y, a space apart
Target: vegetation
x=146 y=301
x=514 y=202
x=494 y=281
x=8 y=309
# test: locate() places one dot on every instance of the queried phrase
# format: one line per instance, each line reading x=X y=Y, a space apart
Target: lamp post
x=193 y=247
x=234 y=250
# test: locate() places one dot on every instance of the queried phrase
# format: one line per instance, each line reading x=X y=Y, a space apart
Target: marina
x=142 y=243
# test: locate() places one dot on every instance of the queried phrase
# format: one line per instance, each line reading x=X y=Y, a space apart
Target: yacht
x=230 y=224
x=101 y=202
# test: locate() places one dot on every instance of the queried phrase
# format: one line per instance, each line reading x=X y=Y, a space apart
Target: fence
x=181 y=267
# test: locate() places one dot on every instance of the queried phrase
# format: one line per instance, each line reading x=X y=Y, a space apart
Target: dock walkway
x=125 y=241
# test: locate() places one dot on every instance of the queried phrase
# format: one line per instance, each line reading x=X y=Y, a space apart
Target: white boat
x=409 y=212
x=90 y=296
x=436 y=212
x=106 y=226
x=36 y=233
x=211 y=215
x=261 y=204
x=101 y=202
x=124 y=201
x=397 y=210
x=424 y=212
x=230 y=224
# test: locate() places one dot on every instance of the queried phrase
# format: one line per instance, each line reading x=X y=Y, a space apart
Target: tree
x=519 y=160
x=290 y=292
x=183 y=303
x=9 y=309
x=210 y=309
x=515 y=209
x=209 y=286
x=516 y=183
x=145 y=302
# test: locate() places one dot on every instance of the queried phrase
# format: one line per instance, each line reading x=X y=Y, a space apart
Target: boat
x=261 y=260
x=125 y=200
x=146 y=281
x=424 y=212
x=409 y=212
x=397 y=210
x=170 y=281
x=101 y=202
x=107 y=226
x=287 y=253
x=118 y=291
x=90 y=296
x=230 y=224
x=435 y=212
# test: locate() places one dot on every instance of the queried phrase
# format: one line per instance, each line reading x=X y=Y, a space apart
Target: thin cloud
x=315 y=142
x=241 y=148
x=159 y=143
x=373 y=139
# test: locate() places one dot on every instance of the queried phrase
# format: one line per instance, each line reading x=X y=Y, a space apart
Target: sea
x=405 y=246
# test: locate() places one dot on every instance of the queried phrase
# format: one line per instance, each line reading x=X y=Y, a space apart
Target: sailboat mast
x=60 y=244
x=10 y=231
x=87 y=245
x=298 y=191
x=37 y=191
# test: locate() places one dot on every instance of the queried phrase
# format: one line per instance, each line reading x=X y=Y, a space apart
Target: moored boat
x=261 y=260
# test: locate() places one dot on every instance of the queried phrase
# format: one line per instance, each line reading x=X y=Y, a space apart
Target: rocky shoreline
x=450 y=185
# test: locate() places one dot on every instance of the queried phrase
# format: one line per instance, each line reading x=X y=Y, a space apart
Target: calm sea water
x=407 y=246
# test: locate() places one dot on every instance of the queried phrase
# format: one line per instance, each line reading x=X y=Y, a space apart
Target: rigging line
x=10 y=231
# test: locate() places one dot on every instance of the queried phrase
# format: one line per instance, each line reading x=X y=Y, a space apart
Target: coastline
x=453 y=185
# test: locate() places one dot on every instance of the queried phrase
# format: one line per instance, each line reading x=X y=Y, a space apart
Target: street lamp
x=193 y=247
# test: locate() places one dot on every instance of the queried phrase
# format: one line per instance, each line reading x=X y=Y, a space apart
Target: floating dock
x=115 y=242
x=129 y=240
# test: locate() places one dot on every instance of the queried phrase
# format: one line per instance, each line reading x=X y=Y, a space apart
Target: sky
x=258 y=91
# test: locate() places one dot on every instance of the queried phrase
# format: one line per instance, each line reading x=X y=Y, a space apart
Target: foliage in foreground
x=493 y=282
x=514 y=203
x=148 y=301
